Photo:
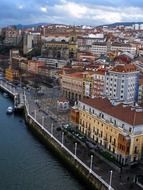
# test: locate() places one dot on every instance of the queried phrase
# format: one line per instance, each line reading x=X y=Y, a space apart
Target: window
x=135 y=150
x=101 y=134
x=130 y=129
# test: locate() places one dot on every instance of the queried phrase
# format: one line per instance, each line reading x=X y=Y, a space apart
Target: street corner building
x=116 y=127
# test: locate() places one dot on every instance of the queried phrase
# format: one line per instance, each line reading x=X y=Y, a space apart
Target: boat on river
x=9 y=110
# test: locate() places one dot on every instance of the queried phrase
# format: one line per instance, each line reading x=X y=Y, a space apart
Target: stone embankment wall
x=80 y=172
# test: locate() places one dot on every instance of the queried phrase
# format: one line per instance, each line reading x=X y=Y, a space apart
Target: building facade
x=72 y=86
x=99 y=80
x=116 y=129
x=121 y=83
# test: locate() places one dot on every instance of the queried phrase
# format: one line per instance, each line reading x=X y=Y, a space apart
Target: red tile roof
x=100 y=71
x=125 y=114
x=124 y=68
x=76 y=75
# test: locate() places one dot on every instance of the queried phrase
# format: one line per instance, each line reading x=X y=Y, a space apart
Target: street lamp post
x=62 y=139
x=75 y=150
x=35 y=114
x=110 y=183
x=28 y=107
x=52 y=130
x=43 y=121
x=91 y=162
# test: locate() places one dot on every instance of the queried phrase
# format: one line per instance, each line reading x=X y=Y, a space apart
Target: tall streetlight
x=28 y=107
x=62 y=138
x=75 y=150
x=43 y=121
x=91 y=162
x=110 y=183
x=52 y=130
x=35 y=114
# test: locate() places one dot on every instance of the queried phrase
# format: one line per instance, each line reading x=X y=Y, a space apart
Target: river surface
x=25 y=164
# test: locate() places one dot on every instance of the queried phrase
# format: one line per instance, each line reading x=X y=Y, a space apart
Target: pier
x=17 y=94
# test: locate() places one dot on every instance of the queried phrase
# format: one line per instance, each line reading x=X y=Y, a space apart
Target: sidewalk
x=120 y=181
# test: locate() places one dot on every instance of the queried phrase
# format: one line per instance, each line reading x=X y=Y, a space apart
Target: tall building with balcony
x=121 y=83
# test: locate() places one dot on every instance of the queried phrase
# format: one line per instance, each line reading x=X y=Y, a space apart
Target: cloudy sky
x=90 y=12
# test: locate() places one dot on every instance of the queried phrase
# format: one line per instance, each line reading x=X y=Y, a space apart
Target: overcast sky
x=89 y=12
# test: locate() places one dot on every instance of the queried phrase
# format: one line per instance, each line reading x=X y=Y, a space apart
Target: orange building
x=74 y=115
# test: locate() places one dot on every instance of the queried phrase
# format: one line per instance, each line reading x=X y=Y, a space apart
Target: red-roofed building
x=121 y=83
x=116 y=128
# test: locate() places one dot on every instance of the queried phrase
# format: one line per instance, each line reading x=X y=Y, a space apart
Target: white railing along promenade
x=13 y=92
x=65 y=148
x=8 y=88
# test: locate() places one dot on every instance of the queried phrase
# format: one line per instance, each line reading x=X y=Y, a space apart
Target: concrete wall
x=81 y=173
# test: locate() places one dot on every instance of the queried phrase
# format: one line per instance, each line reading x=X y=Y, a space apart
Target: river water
x=25 y=164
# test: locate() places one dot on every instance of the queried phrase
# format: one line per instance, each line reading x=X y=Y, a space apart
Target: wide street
x=43 y=108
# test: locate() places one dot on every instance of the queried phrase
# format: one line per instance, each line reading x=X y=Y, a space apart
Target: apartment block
x=121 y=83
x=117 y=129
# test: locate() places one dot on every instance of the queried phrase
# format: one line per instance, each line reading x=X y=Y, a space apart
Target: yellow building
x=88 y=84
x=72 y=85
x=11 y=74
x=118 y=129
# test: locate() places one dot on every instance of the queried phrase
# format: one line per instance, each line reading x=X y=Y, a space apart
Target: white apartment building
x=99 y=48
x=104 y=47
x=123 y=47
x=121 y=83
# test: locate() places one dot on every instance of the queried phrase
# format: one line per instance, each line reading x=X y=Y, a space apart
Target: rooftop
x=125 y=68
x=123 y=113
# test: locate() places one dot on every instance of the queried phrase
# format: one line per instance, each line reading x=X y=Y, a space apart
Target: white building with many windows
x=99 y=48
x=121 y=83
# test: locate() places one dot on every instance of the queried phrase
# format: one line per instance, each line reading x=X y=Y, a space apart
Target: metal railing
x=55 y=139
x=64 y=147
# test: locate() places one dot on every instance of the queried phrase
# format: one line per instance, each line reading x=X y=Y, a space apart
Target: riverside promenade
x=94 y=166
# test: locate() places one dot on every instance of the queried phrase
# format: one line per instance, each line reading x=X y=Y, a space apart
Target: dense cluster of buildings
x=100 y=72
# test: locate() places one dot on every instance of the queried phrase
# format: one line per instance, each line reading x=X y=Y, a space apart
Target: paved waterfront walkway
x=44 y=115
x=120 y=181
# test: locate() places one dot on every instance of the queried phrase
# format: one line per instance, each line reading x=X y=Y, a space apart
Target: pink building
x=99 y=78
x=33 y=66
